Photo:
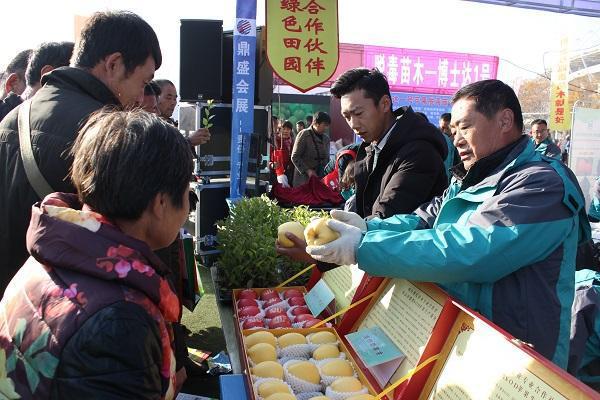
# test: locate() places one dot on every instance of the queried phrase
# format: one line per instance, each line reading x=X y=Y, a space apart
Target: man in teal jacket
x=502 y=239
x=542 y=140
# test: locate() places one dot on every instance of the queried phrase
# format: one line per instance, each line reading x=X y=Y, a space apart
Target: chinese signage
x=432 y=105
x=560 y=111
x=584 y=154
x=425 y=71
x=242 y=113
x=302 y=41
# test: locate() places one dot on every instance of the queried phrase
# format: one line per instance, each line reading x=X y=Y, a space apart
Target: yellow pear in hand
x=293 y=227
x=318 y=233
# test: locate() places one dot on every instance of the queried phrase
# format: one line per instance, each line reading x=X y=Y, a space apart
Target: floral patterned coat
x=89 y=314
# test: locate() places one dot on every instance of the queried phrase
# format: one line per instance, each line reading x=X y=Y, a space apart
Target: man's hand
x=296 y=253
x=349 y=218
x=199 y=137
x=341 y=251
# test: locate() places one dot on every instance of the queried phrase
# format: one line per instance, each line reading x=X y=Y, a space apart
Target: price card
x=319 y=297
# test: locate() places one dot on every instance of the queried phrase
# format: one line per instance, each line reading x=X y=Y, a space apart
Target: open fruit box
x=290 y=355
x=450 y=351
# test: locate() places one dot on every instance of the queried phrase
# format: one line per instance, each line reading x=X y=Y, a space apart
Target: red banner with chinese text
x=302 y=41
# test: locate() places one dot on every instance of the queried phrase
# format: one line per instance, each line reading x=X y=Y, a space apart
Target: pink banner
x=424 y=71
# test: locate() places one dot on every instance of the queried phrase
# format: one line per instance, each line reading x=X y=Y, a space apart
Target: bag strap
x=34 y=176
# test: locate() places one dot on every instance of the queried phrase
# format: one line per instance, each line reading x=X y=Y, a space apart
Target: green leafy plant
x=207 y=118
x=246 y=239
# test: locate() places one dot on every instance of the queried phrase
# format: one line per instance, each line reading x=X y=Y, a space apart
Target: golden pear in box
x=281 y=396
x=260 y=337
x=306 y=371
x=268 y=369
x=337 y=368
x=268 y=388
x=290 y=339
x=262 y=352
x=346 y=384
x=318 y=233
x=326 y=351
x=323 y=337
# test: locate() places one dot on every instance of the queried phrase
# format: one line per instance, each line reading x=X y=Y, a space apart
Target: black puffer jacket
x=59 y=108
x=409 y=172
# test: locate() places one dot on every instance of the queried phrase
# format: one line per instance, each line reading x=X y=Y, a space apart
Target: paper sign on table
x=377 y=352
x=319 y=297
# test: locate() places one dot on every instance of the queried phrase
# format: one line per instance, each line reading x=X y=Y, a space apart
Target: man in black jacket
x=12 y=83
x=116 y=56
x=400 y=164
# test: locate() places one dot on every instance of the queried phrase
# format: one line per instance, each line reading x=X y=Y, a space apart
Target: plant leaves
x=38 y=344
x=19 y=331
x=204 y=121
x=46 y=364
x=32 y=376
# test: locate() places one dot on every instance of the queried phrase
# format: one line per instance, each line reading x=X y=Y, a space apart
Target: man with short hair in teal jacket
x=542 y=140
x=502 y=239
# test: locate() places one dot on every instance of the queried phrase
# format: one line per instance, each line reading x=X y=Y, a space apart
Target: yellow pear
x=346 y=384
x=337 y=368
x=262 y=352
x=268 y=369
x=326 y=351
x=268 y=388
x=281 y=396
x=290 y=339
x=306 y=371
x=260 y=337
x=293 y=227
x=318 y=233
x=362 y=397
x=323 y=337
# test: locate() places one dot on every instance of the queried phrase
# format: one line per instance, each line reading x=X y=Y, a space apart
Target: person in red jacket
x=281 y=151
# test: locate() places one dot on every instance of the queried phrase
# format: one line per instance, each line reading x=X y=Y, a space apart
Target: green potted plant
x=246 y=239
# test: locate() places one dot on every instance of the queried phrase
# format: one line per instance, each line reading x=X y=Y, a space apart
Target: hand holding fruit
x=290 y=242
x=341 y=251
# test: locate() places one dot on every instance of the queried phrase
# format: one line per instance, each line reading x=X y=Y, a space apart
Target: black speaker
x=263 y=78
x=200 y=59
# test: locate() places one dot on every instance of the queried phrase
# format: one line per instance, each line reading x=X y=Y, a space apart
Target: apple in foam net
x=300 y=310
x=272 y=302
x=280 y=321
x=292 y=293
x=311 y=322
x=296 y=301
x=274 y=311
x=268 y=294
x=247 y=303
x=303 y=317
x=247 y=294
x=249 y=311
x=253 y=322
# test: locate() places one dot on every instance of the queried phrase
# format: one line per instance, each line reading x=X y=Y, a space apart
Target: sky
x=527 y=38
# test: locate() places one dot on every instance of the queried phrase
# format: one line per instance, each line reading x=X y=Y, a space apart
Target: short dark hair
x=164 y=82
x=287 y=124
x=18 y=64
x=446 y=117
x=373 y=82
x=309 y=119
x=539 y=121
x=152 y=89
x=110 y=32
x=110 y=175
x=321 y=117
x=56 y=54
x=491 y=96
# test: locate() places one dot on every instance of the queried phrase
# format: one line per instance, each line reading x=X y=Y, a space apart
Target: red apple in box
x=253 y=322
x=247 y=303
x=296 y=301
x=280 y=321
x=303 y=317
x=292 y=293
x=249 y=311
x=311 y=322
x=268 y=294
x=247 y=294
x=300 y=310
x=272 y=302
x=274 y=311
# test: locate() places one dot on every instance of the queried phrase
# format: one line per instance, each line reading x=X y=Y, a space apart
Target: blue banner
x=242 y=112
x=432 y=105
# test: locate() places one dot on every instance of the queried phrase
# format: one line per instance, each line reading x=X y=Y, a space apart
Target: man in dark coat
x=400 y=164
x=116 y=56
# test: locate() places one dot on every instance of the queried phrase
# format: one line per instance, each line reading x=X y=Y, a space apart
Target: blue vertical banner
x=242 y=112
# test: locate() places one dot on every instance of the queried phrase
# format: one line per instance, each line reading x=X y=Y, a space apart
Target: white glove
x=283 y=180
x=349 y=218
x=341 y=251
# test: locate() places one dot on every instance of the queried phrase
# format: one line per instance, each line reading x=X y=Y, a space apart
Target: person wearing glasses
x=542 y=140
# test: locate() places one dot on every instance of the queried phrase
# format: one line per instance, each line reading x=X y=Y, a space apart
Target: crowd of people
x=95 y=189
